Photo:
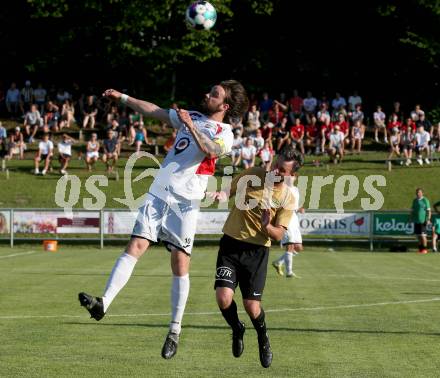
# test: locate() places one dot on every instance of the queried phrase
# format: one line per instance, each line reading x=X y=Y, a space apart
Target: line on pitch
x=18 y=254
x=380 y=277
x=320 y=308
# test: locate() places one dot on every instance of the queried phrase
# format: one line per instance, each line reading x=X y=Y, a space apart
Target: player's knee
x=137 y=246
x=224 y=299
x=252 y=308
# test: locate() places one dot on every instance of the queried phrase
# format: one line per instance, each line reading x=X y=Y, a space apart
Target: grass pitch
x=351 y=314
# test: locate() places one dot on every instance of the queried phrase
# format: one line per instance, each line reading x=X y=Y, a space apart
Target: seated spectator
x=258 y=141
x=26 y=96
x=32 y=121
x=62 y=96
x=435 y=138
x=357 y=135
x=357 y=114
x=113 y=114
x=422 y=139
x=168 y=145
x=16 y=145
x=343 y=127
x=136 y=119
x=326 y=129
x=312 y=136
x=275 y=114
x=44 y=154
x=3 y=141
x=266 y=132
x=92 y=154
x=237 y=124
x=12 y=100
x=51 y=117
x=67 y=114
x=124 y=126
x=379 y=124
x=338 y=103
x=394 y=143
x=40 y=97
x=65 y=152
x=139 y=138
x=252 y=120
x=336 y=145
x=409 y=124
x=248 y=153
x=297 y=135
x=424 y=122
x=310 y=104
x=416 y=113
x=407 y=141
x=295 y=106
x=265 y=105
x=110 y=155
x=394 y=123
x=397 y=111
x=281 y=134
x=237 y=144
x=90 y=111
x=266 y=156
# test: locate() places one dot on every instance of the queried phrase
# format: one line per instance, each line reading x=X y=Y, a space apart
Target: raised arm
x=144 y=107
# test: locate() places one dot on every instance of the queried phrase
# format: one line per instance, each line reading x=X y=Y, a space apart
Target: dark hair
x=237 y=99
x=288 y=153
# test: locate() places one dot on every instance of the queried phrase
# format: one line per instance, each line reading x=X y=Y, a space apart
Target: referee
x=262 y=210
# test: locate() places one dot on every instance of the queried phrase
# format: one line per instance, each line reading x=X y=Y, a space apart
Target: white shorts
x=92 y=154
x=293 y=232
x=172 y=220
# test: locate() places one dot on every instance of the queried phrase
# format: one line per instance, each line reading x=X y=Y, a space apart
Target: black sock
x=260 y=324
x=231 y=316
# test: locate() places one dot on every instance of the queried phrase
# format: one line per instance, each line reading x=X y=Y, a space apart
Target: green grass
x=352 y=314
x=26 y=190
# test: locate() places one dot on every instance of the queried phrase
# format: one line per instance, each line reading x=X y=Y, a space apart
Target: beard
x=209 y=109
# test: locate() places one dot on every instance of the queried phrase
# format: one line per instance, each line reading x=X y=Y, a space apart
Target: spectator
x=140 y=137
x=407 y=141
x=113 y=114
x=67 y=114
x=394 y=144
x=170 y=141
x=397 y=111
x=40 y=97
x=236 y=124
x=282 y=134
x=32 y=121
x=3 y=141
x=357 y=134
x=393 y=124
x=422 y=140
x=336 y=145
x=90 y=111
x=266 y=156
x=27 y=95
x=326 y=129
x=312 y=136
x=51 y=117
x=357 y=114
x=410 y=124
x=45 y=153
x=65 y=152
x=323 y=114
x=354 y=100
x=266 y=132
x=265 y=105
x=110 y=155
x=237 y=144
x=416 y=113
x=13 y=100
x=338 y=103
x=92 y=154
x=62 y=96
x=124 y=126
x=297 y=135
x=275 y=114
x=343 y=127
x=258 y=141
x=296 y=105
x=379 y=124
x=310 y=104
x=421 y=217
x=16 y=145
x=248 y=153
x=424 y=122
x=436 y=227
x=252 y=120
x=435 y=139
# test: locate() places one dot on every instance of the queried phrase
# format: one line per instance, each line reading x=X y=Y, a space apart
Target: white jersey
x=422 y=138
x=293 y=232
x=186 y=169
x=45 y=147
x=65 y=148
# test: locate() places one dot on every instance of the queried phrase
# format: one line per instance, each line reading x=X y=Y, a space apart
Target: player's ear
x=226 y=107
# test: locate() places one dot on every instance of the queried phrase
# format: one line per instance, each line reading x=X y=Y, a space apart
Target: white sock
x=119 y=276
x=179 y=296
x=289 y=262
x=280 y=260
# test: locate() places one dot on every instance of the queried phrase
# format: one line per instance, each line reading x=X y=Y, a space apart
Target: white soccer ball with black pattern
x=201 y=15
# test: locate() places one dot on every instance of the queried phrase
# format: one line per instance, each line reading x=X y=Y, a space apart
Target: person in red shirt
x=312 y=135
x=409 y=124
x=394 y=123
x=275 y=114
x=297 y=134
x=343 y=127
x=266 y=132
x=296 y=104
x=326 y=129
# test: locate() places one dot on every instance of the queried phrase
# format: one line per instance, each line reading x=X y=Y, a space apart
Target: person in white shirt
x=40 y=97
x=171 y=206
x=266 y=156
x=379 y=124
x=394 y=144
x=338 y=103
x=92 y=151
x=336 y=145
x=237 y=144
x=258 y=141
x=310 y=103
x=354 y=100
x=32 y=121
x=416 y=113
x=248 y=153
x=422 y=140
x=65 y=152
x=45 y=153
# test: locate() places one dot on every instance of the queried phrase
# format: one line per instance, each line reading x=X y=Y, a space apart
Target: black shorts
x=420 y=228
x=43 y=157
x=244 y=264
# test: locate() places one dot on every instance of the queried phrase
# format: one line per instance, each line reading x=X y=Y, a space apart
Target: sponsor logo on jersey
x=181 y=145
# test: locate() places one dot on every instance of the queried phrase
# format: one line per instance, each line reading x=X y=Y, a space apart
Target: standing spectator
x=51 y=117
x=92 y=154
x=110 y=155
x=90 y=111
x=312 y=136
x=13 y=100
x=435 y=138
x=252 y=120
x=40 y=97
x=265 y=105
x=3 y=141
x=282 y=134
x=67 y=114
x=237 y=144
x=248 y=153
x=297 y=135
x=338 y=103
x=310 y=104
x=357 y=134
x=379 y=124
x=65 y=152
x=336 y=145
x=45 y=153
x=354 y=100
x=32 y=121
x=27 y=95
x=266 y=156
x=394 y=143
x=296 y=105
x=407 y=141
x=422 y=140
x=416 y=113
x=436 y=226
x=16 y=144
x=421 y=217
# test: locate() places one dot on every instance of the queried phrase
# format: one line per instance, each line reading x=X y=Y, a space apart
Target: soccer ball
x=201 y=15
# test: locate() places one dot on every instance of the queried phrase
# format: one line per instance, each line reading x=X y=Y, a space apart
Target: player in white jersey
x=292 y=240
x=170 y=211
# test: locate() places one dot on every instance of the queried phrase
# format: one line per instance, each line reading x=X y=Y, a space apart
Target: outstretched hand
x=112 y=94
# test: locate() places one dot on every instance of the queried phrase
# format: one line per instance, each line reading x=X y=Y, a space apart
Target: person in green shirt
x=421 y=217
x=436 y=226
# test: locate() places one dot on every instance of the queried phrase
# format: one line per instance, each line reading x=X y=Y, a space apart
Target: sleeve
x=174 y=118
x=283 y=217
x=225 y=139
x=428 y=205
